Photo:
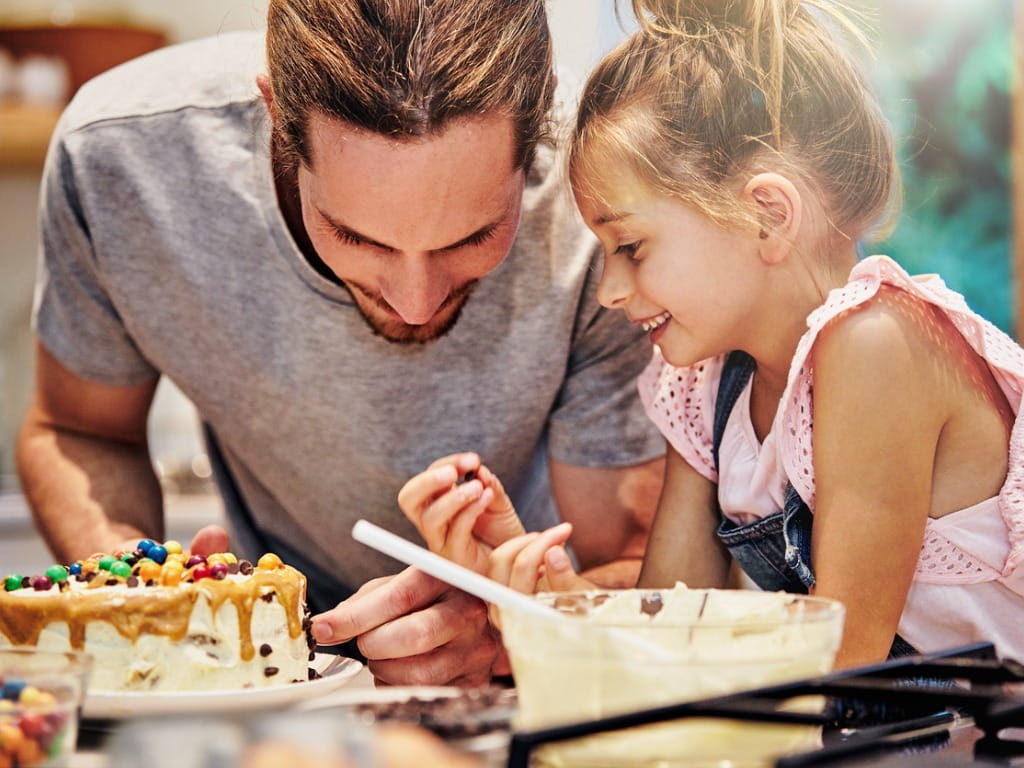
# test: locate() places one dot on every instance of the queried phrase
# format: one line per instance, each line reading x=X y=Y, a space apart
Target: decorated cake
x=156 y=619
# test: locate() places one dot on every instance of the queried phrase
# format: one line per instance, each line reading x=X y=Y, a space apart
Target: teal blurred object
x=943 y=69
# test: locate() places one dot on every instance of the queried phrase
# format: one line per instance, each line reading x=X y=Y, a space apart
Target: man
x=362 y=264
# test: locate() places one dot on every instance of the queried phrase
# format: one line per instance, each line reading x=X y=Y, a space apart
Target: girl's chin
x=679 y=358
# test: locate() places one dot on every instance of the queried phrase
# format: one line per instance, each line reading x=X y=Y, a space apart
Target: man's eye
x=344 y=237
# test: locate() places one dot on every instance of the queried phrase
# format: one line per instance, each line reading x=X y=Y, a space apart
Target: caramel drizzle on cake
x=160 y=611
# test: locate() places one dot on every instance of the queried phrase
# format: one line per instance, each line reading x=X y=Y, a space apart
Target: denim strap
x=795 y=542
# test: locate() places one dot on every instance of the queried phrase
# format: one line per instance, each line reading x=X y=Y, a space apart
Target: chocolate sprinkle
x=266 y=650
x=270 y=671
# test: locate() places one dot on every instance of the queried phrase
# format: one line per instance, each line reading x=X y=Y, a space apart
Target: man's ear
x=263 y=83
x=779 y=209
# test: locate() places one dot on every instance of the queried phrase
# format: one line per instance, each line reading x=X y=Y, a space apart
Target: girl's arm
x=683 y=545
x=878 y=413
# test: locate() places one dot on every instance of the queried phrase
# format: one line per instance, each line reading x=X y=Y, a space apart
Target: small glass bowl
x=617 y=651
x=41 y=694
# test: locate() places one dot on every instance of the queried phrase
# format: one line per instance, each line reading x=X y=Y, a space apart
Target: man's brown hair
x=407 y=68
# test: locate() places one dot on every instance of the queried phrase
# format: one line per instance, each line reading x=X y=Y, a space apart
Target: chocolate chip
x=81 y=577
x=270 y=671
x=63 y=586
x=651 y=603
x=312 y=655
x=245 y=567
x=313 y=674
x=136 y=569
x=132 y=581
x=150 y=582
x=112 y=582
x=266 y=650
x=268 y=597
x=25 y=582
x=90 y=575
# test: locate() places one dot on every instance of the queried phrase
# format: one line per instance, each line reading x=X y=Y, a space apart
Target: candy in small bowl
x=41 y=693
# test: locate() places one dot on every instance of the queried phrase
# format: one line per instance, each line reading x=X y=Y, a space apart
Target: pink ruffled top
x=974 y=555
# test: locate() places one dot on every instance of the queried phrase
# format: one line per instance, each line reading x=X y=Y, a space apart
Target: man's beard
x=398 y=332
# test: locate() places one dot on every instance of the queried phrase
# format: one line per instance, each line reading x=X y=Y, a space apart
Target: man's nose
x=418 y=289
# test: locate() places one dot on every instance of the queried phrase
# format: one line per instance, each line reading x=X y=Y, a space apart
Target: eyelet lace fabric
x=681 y=403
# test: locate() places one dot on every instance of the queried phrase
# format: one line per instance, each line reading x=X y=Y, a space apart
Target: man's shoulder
x=208 y=73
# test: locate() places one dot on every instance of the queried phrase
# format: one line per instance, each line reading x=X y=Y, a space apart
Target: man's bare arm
x=611 y=510
x=84 y=462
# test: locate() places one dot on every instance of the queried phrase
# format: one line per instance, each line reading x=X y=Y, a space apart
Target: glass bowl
x=616 y=651
x=41 y=694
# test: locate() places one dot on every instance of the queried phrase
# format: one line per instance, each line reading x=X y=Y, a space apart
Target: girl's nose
x=616 y=284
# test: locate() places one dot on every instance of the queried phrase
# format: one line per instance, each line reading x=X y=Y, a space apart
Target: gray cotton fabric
x=164 y=253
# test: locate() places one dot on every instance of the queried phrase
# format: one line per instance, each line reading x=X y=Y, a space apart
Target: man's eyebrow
x=467 y=240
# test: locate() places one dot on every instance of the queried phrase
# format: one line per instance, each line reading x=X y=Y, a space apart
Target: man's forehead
x=494 y=135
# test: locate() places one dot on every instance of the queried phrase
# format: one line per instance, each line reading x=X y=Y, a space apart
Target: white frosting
x=210 y=654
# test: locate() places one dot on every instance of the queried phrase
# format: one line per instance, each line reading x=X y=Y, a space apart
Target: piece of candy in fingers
x=465 y=478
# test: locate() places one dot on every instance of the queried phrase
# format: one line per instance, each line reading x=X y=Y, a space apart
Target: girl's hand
x=537 y=562
x=461 y=509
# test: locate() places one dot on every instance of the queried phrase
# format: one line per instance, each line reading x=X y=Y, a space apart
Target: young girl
x=837 y=427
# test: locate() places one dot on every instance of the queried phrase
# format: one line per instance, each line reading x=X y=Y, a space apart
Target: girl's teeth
x=650 y=325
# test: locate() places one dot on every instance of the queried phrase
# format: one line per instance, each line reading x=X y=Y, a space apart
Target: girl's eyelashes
x=628 y=250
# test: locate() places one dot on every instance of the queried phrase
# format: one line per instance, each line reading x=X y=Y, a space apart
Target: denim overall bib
x=775 y=552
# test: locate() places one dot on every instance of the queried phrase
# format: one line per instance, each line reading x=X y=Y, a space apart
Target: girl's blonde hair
x=407 y=68
x=708 y=92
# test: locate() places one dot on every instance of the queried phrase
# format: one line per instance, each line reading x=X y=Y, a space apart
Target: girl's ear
x=263 y=83
x=779 y=210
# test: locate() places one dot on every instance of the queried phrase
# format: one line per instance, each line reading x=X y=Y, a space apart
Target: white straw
x=486 y=589
x=446 y=570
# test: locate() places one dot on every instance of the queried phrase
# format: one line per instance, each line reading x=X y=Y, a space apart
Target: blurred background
x=944 y=69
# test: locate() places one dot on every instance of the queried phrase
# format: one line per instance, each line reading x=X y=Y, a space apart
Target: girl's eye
x=628 y=250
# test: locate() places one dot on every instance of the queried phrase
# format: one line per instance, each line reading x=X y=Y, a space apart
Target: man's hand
x=416 y=630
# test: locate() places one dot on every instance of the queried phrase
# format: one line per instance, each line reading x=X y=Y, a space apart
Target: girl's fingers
x=421 y=490
x=504 y=556
x=527 y=568
x=558 y=571
x=439 y=515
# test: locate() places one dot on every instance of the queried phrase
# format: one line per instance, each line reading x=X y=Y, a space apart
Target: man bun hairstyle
x=408 y=68
x=706 y=94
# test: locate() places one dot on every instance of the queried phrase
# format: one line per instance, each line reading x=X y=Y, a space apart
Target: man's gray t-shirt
x=164 y=252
